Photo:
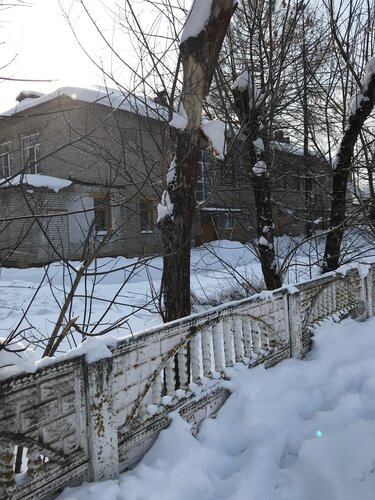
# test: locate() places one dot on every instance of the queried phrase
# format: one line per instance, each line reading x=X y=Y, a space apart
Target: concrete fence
x=79 y=421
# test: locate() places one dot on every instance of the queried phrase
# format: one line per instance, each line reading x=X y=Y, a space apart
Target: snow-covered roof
x=36 y=180
x=290 y=148
x=112 y=98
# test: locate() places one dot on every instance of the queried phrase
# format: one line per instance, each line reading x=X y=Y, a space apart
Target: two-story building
x=79 y=166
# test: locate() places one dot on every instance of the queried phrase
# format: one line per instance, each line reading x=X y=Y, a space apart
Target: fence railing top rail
x=108 y=346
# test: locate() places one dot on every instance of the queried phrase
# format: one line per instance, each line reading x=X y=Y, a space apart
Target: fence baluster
x=238 y=338
x=333 y=296
x=228 y=350
x=264 y=331
x=206 y=336
x=247 y=338
x=170 y=376
x=183 y=374
x=257 y=339
x=195 y=359
x=217 y=338
x=157 y=390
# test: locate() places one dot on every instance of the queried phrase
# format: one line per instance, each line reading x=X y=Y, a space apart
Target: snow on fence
x=78 y=421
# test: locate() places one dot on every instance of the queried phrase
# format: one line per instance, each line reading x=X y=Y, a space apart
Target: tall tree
x=362 y=105
x=351 y=26
x=200 y=46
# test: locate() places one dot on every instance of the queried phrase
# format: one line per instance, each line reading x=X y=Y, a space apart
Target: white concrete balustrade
x=80 y=421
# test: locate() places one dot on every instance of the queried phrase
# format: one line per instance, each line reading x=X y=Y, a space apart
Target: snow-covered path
x=303 y=430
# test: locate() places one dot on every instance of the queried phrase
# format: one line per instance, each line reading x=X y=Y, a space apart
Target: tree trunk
x=263 y=205
x=249 y=115
x=341 y=176
x=199 y=56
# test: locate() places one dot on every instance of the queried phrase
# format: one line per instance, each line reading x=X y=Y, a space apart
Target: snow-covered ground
x=302 y=430
x=220 y=271
x=30 y=299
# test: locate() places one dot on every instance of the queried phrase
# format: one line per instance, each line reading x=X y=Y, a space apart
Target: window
x=5 y=159
x=202 y=186
x=30 y=154
x=146 y=210
x=102 y=213
x=228 y=221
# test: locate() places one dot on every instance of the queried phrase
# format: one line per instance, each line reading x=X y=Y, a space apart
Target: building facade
x=81 y=174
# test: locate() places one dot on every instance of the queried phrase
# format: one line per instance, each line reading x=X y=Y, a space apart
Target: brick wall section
x=100 y=150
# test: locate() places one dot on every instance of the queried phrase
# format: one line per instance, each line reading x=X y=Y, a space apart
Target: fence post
x=369 y=281
x=295 y=322
x=101 y=421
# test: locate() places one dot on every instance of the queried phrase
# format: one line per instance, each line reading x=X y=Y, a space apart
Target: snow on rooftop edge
x=112 y=98
x=36 y=180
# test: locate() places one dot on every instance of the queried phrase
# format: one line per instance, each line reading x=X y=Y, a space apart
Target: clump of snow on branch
x=171 y=174
x=165 y=207
x=359 y=99
x=244 y=81
x=214 y=130
x=262 y=241
x=369 y=73
x=356 y=103
x=197 y=19
x=260 y=168
x=179 y=120
x=259 y=146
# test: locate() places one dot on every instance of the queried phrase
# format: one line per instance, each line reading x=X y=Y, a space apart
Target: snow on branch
x=260 y=167
x=214 y=130
x=165 y=207
x=171 y=174
x=259 y=146
x=245 y=81
x=360 y=98
x=197 y=19
x=179 y=120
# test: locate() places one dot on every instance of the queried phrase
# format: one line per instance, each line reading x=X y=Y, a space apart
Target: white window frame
x=146 y=208
x=102 y=210
x=228 y=221
x=5 y=154
x=30 y=143
x=202 y=185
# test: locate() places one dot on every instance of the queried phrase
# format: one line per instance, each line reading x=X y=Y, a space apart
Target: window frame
x=2 y=156
x=30 y=167
x=146 y=208
x=229 y=221
x=202 y=184
x=102 y=207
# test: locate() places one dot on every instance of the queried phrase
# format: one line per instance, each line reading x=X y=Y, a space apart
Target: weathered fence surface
x=79 y=421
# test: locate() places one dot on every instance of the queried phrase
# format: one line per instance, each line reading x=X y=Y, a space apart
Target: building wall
x=114 y=151
x=100 y=151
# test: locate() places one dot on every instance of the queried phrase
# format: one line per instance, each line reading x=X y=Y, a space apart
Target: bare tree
x=199 y=49
x=351 y=31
